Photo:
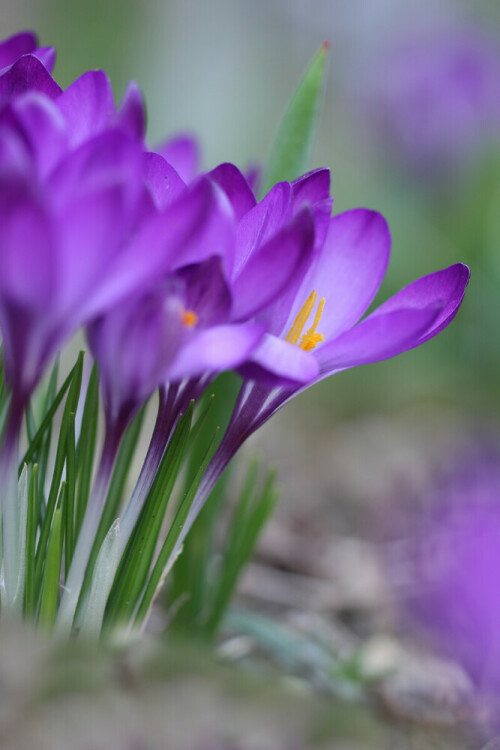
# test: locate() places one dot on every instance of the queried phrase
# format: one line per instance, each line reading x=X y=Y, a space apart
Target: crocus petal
x=233 y=183
x=348 y=271
x=87 y=106
x=131 y=115
x=47 y=56
x=27 y=274
x=183 y=153
x=311 y=187
x=43 y=127
x=178 y=237
x=108 y=159
x=28 y=74
x=446 y=287
x=162 y=180
x=206 y=291
x=375 y=338
x=89 y=234
x=216 y=349
x=262 y=222
x=271 y=267
x=281 y=362
x=15 y=46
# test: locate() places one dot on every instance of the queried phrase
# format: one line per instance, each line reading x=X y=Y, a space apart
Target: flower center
x=311 y=338
x=188 y=318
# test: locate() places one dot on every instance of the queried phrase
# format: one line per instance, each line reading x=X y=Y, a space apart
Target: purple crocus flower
x=317 y=323
x=212 y=315
x=200 y=312
x=436 y=97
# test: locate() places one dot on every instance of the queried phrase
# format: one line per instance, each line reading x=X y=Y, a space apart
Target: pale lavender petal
x=87 y=106
x=216 y=349
x=15 y=46
x=446 y=288
x=183 y=153
x=272 y=266
x=348 y=271
x=375 y=338
x=131 y=115
x=262 y=222
x=275 y=359
x=162 y=180
x=311 y=187
x=233 y=183
x=28 y=74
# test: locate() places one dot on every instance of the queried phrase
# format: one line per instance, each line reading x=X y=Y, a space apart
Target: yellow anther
x=301 y=319
x=311 y=338
x=189 y=318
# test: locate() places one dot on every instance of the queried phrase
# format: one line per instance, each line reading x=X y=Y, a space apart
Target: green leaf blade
x=291 y=152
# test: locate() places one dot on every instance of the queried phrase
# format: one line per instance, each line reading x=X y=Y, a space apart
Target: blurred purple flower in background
x=434 y=97
x=453 y=560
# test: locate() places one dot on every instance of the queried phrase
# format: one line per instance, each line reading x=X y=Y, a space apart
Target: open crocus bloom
x=321 y=318
x=318 y=323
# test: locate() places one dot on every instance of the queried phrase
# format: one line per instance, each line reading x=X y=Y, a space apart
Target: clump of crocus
x=176 y=277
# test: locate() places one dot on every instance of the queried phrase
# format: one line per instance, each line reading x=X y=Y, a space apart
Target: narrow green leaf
x=61 y=452
x=52 y=571
x=164 y=561
x=291 y=152
x=22 y=504
x=85 y=455
x=136 y=560
x=30 y=601
x=47 y=421
x=191 y=573
x=69 y=518
x=41 y=455
x=30 y=423
x=249 y=518
x=102 y=580
x=115 y=492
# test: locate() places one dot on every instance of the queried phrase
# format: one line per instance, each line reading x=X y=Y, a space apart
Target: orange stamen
x=189 y=318
x=311 y=338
